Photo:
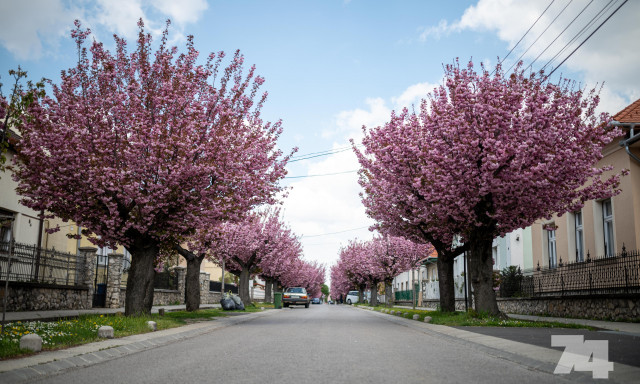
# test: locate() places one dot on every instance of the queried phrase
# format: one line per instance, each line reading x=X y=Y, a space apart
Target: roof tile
x=631 y=114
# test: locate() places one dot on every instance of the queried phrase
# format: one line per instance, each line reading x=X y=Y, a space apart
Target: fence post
x=182 y=274
x=204 y=287
x=88 y=257
x=114 y=280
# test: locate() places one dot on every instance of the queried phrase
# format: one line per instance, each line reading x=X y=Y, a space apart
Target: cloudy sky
x=333 y=66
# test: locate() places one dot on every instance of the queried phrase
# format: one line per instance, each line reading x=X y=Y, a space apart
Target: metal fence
x=404 y=295
x=166 y=280
x=216 y=286
x=30 y=263
x=619 y=273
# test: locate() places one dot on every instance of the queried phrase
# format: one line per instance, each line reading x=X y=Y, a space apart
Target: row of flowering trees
x=160 y=152
x=365 y=264
x=484 y=154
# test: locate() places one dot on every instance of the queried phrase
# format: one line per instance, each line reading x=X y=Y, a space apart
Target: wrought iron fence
x=619 y=273
x=166 y=280
x=216 y=286
x=30 y=263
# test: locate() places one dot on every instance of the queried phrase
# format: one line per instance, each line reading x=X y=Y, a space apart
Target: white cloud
x=120 y=16
x=609 y=56
x=436 y=32
x=26 y=25
x=182 y=12
x=327 y=204
x=32 y=29
x=413 y=95
x=349 y=123
x=321 y=205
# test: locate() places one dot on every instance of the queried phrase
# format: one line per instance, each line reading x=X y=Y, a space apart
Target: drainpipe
x=632 y=138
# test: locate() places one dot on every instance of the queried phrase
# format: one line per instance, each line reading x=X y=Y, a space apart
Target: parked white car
x=352 y=297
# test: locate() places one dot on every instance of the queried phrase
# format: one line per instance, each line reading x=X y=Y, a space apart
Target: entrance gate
x=100 y=282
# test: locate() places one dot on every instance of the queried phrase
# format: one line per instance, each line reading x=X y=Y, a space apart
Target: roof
x=630 y=114
x=432 y=255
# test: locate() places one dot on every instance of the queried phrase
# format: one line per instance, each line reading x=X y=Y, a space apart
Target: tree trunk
x=374 y=295
x=388 y=292
x=243 y=289
x=192 y=283
x=481 y=273
x=268 y=284
x=361 y=294
x=446 y=283
x=139 y=298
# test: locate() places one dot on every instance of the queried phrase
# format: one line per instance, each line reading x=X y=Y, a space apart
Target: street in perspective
x=339 y=191
x=331 y=344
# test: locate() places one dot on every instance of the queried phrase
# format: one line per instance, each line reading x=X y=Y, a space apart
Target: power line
x=582 y=31
x=320 y=153
x=334 y=233
x=540 y=35
x=561 y=33
x=319 y=175
x=588 y=37
x=525 y=34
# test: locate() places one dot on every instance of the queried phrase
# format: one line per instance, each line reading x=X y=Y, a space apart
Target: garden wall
x=619 y=307
x=25 y=296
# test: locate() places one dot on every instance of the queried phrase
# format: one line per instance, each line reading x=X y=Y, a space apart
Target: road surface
x=321 y=344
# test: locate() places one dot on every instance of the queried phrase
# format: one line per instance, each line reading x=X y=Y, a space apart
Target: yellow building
x=601 y=227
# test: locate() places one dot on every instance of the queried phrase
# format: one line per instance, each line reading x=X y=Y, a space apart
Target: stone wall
x=45 y=297
x=605 y=307
x=608 y=307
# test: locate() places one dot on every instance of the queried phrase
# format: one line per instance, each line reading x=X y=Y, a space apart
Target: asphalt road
x=321 y=344
x=623 y=348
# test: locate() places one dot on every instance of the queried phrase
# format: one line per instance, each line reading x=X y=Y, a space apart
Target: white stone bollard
x=262 y=308
x=153 y=326
x=416 y=317
x=405 y=314
x=427 y=319
x=32 y=342
x=105 y=332
x=392 y=312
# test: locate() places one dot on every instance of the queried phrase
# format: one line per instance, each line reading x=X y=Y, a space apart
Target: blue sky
x=332 y=66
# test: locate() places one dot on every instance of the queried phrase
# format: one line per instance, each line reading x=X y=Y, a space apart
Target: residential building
x=602 y=227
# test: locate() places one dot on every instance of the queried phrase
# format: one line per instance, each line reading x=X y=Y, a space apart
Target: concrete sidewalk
x=632 y=328
x=61 y=314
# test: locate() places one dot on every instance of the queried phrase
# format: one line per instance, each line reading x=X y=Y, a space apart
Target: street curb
x=49 y=363
x=532 y=356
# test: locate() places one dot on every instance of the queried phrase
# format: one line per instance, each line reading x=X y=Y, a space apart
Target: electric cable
x=581 y=32
x=322 y=174
x=588 y=37
x=540 y=35
x=525 y=34
x=560 y=34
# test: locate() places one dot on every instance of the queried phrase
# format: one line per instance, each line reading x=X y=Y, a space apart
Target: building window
x=5 y=225
x=607 y=220
x=551 y=243
x=579 y=237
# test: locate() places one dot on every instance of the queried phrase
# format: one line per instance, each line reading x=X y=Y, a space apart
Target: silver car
x=295 y=296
